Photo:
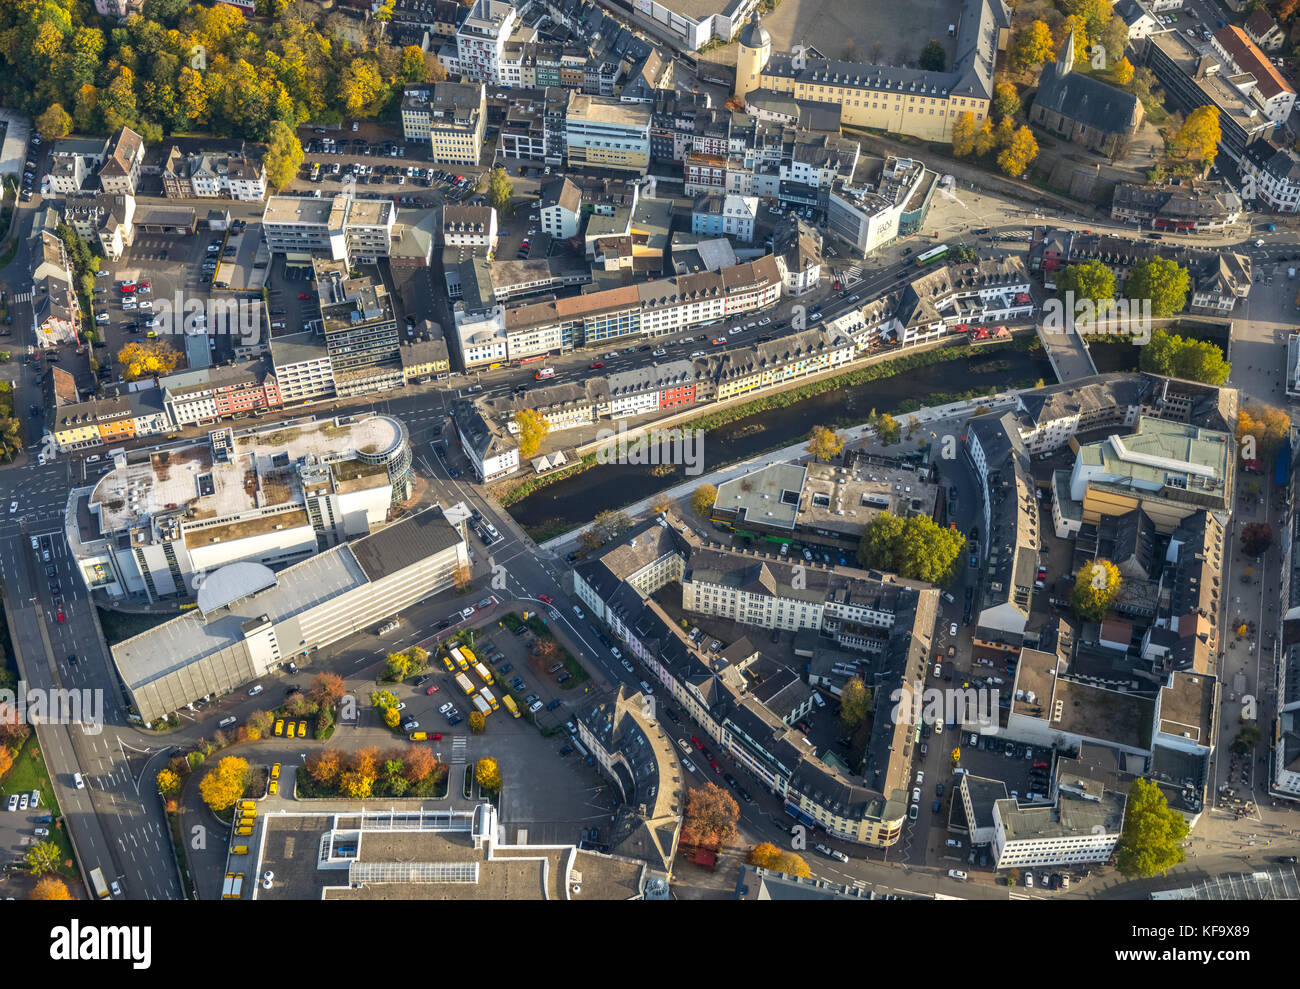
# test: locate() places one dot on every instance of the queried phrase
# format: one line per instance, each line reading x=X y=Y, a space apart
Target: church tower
x=755 y=48
x=1065 y=63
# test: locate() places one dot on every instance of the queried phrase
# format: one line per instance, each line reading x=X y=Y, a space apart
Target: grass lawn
x=120 y=625
x=29 y=773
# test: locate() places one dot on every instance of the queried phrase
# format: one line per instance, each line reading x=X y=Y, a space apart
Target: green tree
x=1165 y=282
x=1151 y=843
x=915 y=547
x=855 y=702
x=501 y=192
x=42 y=857
x=933 y=57
x=533 y=428
x=1178 y=357
x=1095 y=588
x=1088 y=280
x=1246 y=739
x=824 y=443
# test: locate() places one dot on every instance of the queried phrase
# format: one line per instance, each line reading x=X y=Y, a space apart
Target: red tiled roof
x=1250 y=59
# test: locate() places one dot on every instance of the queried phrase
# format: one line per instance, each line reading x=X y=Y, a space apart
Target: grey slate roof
x=1088 y=101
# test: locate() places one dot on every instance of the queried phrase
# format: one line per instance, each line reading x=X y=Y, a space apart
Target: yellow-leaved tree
x=145 y=359
x=225 y=784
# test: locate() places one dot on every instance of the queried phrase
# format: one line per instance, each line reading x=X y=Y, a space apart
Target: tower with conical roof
x=755 y=48
x=1065 y=61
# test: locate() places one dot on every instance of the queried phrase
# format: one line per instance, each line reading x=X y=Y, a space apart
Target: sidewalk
x=797 y=451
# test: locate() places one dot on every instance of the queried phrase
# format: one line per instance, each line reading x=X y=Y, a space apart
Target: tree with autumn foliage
x=418 y=763
x=1019 y=154
x=1267 y=428
x=1033 y=47
x=168 y=782
x=324 y=766
x=6 y=760
x=1006 y=101
x=711 y=816
x=1198 y=139
x=533 y=428
x=703 y=499
x=963 y=134
x=767 y=856
x=50 y=888
x=147 y=358
x=1256 y=538
x=356 y=785
x=1123 y=71
x=823 y=443
x=488 y=775
x=225 y=784
x=327 y=689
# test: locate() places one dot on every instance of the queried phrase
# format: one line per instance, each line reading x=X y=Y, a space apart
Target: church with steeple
x=1084 y=110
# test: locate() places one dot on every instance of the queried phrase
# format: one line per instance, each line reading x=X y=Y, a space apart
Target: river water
x=573 y=501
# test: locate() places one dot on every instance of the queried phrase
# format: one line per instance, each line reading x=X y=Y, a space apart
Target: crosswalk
x=22 y=297
x=458 y=746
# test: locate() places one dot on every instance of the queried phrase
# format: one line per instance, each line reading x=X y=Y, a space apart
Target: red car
x=144 y=285
x=716 y=767
x=436 y=736
x=127 y=289
x=835 y=286
x=61 y=617
x=303 y=296
x=546 y=598
x=432 y=690
x=595 y=364
x=697 y=743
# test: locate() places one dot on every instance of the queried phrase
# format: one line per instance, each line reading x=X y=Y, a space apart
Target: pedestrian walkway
x=459 y=743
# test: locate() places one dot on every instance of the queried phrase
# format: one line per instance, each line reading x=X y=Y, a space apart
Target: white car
x=690 y=766
x=536 y=706
x=952 y=628
x=682 y=744
x=916 y=794
x=467 y=613
x=13 y=507
x=647 y=688
x=13 y=799
x=145 y=304
x=22 y=801
x=445 y=708
x=1029 y=880
x=659 y=353
x=957 y=874
x=938 y=671
x=628 y=666
x=253 y=692
x=117 y=890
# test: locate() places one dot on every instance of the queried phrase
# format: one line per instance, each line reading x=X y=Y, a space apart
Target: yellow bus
x=468 y=653
x=465 y=684
x=483 y=672
x=509 y=702
x=459 y=657
x=490 y=698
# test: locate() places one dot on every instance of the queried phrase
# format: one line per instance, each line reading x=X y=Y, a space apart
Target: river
x=573 y=501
